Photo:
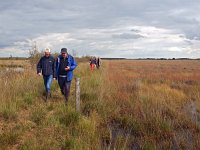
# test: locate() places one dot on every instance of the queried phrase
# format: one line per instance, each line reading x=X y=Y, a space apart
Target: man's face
x=64 y=55
x=47 y=54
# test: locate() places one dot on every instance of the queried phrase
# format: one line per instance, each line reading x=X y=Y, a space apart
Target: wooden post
x=78 y=94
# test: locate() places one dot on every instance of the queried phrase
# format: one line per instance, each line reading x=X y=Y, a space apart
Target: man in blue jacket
x=65 y=64
x=46 y=67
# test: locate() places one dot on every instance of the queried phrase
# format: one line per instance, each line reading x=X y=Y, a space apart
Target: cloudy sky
x=106 y=28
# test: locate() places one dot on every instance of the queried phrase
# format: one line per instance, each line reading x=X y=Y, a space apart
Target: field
x=126 y=104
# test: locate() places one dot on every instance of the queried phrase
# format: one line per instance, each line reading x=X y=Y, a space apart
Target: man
x=65 y=64
x=92 y=63
x=98 y=62
x=46 y=65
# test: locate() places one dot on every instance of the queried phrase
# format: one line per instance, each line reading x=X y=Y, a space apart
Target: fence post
x=78 y=94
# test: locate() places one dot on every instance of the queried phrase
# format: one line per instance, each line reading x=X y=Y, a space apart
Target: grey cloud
x=127 y=36
x=135 y=30
x=21 y=20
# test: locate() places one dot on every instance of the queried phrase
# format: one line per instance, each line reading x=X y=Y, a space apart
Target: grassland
x=143 y=104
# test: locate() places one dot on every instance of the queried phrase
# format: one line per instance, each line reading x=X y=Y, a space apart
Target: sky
x=105 y=28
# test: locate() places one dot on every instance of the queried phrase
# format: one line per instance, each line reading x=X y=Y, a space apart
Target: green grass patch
x=9 y=137
x=38 y=115
x=29 y=144
x=69 y=118
x=149 y=146
x=9 y=112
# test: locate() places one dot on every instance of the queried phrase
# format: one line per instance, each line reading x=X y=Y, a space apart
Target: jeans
x=64 y=86
x=47 y=82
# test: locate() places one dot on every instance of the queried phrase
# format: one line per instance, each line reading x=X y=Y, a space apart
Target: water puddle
x=192 y=111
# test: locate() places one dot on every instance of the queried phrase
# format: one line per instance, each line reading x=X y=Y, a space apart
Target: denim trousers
x=47 y=82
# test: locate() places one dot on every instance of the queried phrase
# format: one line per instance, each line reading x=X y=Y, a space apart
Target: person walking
x=98 y=63
x=92 y=63
x=46 y=67
x=65 y=64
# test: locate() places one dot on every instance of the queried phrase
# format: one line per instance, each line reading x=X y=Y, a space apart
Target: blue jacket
x=47 y=66
x=71 y=63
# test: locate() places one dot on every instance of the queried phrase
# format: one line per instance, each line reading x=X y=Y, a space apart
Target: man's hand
x=67 y=68
x=39 y=74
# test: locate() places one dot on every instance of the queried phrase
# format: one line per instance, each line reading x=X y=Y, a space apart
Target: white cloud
x=154 y=42
x=175 y=49
x=6 y=52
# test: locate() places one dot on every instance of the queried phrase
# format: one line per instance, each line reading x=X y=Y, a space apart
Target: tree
x=34 y=54
x=10 y=56
x=74 y=53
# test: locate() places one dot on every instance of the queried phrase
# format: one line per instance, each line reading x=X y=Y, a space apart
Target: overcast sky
x=106 y=28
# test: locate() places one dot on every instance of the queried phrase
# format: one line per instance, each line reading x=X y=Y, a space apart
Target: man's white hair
x=47 y=50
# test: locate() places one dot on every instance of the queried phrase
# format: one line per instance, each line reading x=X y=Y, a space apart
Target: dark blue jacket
x=93 y=61
x=47 y=66
x=71 y=63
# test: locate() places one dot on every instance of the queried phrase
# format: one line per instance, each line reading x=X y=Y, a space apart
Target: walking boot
x=46 y=97
x=66 y=100
x=50 y=95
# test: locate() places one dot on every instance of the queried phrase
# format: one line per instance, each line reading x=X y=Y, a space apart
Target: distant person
x=46 y=67
x=65 y=64
x=98 y=63
x=92 y=63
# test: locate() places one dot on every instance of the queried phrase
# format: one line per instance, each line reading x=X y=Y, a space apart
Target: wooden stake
x=78 y=92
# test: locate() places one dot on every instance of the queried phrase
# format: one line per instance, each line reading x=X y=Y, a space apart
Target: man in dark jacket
x=92 y=63
x=65 y=64
x=46 y=65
